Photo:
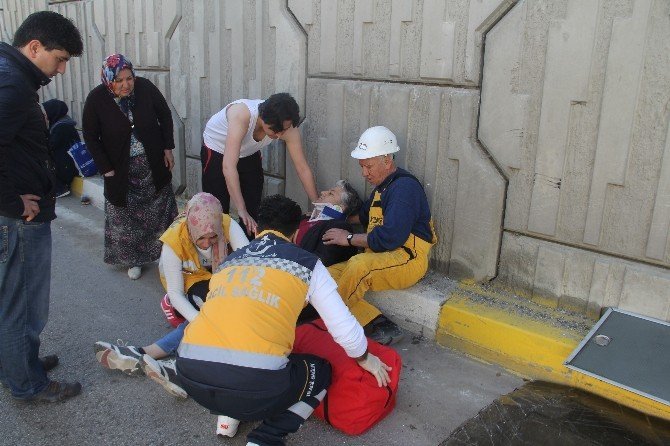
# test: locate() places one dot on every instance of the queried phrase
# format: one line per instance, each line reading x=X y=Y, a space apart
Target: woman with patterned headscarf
x=128 y=130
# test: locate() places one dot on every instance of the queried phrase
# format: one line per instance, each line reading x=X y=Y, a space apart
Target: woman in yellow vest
x=193 y=248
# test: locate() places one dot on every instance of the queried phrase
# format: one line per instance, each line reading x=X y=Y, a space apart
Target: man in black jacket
x=42 y=46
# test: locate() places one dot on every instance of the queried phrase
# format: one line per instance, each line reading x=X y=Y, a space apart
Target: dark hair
x=279 y=213
x=54 y=32
x=351 y=202
x=278 y=108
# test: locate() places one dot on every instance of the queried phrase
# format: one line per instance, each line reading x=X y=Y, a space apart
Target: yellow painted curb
x=77 y=186
x=505 y=331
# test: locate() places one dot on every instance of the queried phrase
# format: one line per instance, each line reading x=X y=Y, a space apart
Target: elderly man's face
x=331 y=196
x=375 y=170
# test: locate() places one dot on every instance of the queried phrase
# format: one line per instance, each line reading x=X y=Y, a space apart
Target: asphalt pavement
x=92 y=301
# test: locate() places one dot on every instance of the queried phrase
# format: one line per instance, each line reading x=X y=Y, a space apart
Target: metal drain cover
x=629 y=351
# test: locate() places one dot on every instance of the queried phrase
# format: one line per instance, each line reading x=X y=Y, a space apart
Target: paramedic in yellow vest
x=235 y=358
x=193 y=246
x=398 y=238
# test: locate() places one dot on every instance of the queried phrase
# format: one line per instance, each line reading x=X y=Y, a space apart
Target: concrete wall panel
x=585 y=281
x=616 y=121
x=504 y=110
x=658 y=245
x=437 y=61
x=481 y=16
x=193 y=176
x=574 y=111
x=479 y=196
x=566 y=77
x=437 y=41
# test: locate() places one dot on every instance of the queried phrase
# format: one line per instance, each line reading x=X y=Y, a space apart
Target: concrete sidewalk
x=91 y=301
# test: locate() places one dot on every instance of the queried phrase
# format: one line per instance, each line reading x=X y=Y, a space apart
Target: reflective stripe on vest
x=254 y=301
x=232 y=357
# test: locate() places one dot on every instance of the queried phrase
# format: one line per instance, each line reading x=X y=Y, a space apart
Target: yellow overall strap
x=412 y=244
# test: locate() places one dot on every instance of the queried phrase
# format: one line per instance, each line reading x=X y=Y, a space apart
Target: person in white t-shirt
x=231 y=160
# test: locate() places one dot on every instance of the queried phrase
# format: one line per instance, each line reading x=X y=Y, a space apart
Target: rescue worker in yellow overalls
x=398 y=239
x=235 y=358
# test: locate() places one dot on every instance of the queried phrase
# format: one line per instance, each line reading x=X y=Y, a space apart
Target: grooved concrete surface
x=570 y=145
x=91 y=301
x=574 y=109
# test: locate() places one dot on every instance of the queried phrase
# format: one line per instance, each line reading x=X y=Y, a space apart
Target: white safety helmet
x=375 y=141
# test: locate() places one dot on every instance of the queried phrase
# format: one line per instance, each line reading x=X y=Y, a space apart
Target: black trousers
x=250 y=170
x=283 y=399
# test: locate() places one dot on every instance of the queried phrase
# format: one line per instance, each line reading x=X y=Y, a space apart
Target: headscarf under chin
x=111 y=67
x=203 y=215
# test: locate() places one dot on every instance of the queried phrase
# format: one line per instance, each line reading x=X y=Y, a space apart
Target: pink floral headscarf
x=203 y=215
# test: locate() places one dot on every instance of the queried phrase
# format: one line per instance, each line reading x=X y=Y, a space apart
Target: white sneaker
x=135 y=272
x=164 y=372
x=226 y=426
x=119 y=357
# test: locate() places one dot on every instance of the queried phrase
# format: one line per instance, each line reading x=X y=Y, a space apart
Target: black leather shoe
x=49 y=362
x=384 y=331
x=57 y=391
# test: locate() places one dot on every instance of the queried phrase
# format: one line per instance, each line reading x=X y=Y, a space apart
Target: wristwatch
x=349 y=237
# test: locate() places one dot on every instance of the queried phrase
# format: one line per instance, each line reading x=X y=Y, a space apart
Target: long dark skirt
x=132 y=232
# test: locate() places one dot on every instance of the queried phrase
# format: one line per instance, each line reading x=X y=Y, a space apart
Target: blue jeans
x=170 y=342
x=25 y=275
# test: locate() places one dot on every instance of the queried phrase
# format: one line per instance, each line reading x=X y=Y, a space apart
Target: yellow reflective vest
x=254 y=301
x=178 y=238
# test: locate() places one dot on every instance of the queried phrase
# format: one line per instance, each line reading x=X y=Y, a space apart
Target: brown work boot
x=57 y=391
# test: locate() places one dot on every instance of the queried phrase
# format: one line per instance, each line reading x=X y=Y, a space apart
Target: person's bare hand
x=30 y=206
x=336 y=236
x=169 y=159
x=377 y=368
x=109 y=174
x=248 y=221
